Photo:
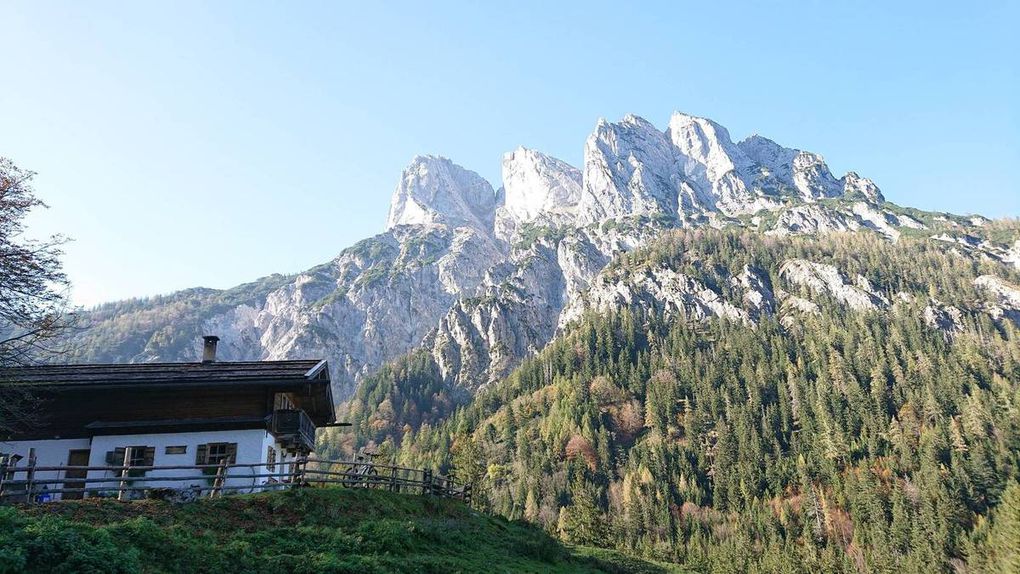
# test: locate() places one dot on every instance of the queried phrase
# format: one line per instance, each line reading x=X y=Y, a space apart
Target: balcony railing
x=293 y=429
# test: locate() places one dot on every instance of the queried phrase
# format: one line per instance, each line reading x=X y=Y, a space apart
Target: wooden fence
x=24 y=484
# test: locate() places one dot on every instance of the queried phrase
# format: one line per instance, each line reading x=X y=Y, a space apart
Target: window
x=271 y=458
x=137 y=457
x=176 y=450
x=216 y=452
x=221 y=451
x=282 y=402
x=140 y=456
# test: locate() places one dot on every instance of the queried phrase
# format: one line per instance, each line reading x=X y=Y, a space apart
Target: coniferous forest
x=835 y=440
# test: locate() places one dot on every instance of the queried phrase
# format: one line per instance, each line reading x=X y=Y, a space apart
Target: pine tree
x=584 y=524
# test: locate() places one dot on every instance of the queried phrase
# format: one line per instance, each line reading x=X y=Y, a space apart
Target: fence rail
x=125 y=482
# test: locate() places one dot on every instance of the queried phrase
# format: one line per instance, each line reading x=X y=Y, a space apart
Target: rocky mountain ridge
x=482 y=277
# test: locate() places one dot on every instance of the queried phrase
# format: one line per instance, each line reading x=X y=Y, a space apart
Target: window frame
x=211 y=454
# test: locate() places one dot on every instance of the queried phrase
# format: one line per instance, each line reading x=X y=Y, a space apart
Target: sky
x=184 y=144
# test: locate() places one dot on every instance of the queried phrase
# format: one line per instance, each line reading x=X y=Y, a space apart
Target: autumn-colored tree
x=580 y=447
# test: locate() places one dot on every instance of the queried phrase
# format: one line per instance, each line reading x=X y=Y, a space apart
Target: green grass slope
x=309 y=530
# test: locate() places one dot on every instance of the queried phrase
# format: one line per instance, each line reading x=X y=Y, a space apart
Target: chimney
x=209 y=351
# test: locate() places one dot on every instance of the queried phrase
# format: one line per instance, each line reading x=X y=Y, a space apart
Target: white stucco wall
x=47 y=453
x=251 y=449
x=283 y=460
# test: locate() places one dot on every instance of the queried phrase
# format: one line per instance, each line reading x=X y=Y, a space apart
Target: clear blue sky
x=212 y=143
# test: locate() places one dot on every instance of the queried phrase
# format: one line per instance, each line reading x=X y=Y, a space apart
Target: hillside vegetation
x=817 y=438
x=310 y=530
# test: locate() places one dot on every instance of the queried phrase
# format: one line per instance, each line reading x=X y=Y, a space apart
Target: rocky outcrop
x=816 y=219
x=822 y=278
x=694 y=168
x=872 y=217
x=972 y=245
x=519 y=307
x=756 y=292
x=1001 y=298
x=793 y=308
x=674 y=294
x=812 y=220
x=855 y=186
x=484 y=336
x=944 y=318
x=375 y=302
x=1013 y=254
x=720 y=172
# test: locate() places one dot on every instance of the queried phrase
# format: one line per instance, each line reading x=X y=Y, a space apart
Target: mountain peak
x=636 y=120
x=782 y=168
x=631 y=167
x=711 y=161
x=433 y=189
x=626 y=171
x=535 y=187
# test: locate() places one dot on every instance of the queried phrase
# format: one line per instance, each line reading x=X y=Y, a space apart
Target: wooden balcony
x=293 y=429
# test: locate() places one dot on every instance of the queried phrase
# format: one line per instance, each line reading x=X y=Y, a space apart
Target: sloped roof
x=270 y=372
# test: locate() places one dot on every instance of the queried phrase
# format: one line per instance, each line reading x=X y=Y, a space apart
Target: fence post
x=393 y=480
x=426 y=479
x=299 y=470
x=30 y=477
x=3 y=476
x=125 y=464
x=467 y=494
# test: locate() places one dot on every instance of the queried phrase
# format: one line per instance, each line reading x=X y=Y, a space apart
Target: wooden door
x=75 y=458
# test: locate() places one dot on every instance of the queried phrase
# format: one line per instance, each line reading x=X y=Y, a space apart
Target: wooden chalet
x=205 y=413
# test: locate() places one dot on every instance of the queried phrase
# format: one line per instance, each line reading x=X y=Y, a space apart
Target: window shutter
x=150 y=456
x=115 y=457
x=200 y=453
x=232 y=453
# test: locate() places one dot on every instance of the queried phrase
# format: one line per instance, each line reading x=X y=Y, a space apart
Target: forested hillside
x=866 y=421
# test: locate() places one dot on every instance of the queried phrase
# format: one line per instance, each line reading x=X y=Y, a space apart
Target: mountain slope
x=835 y=427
